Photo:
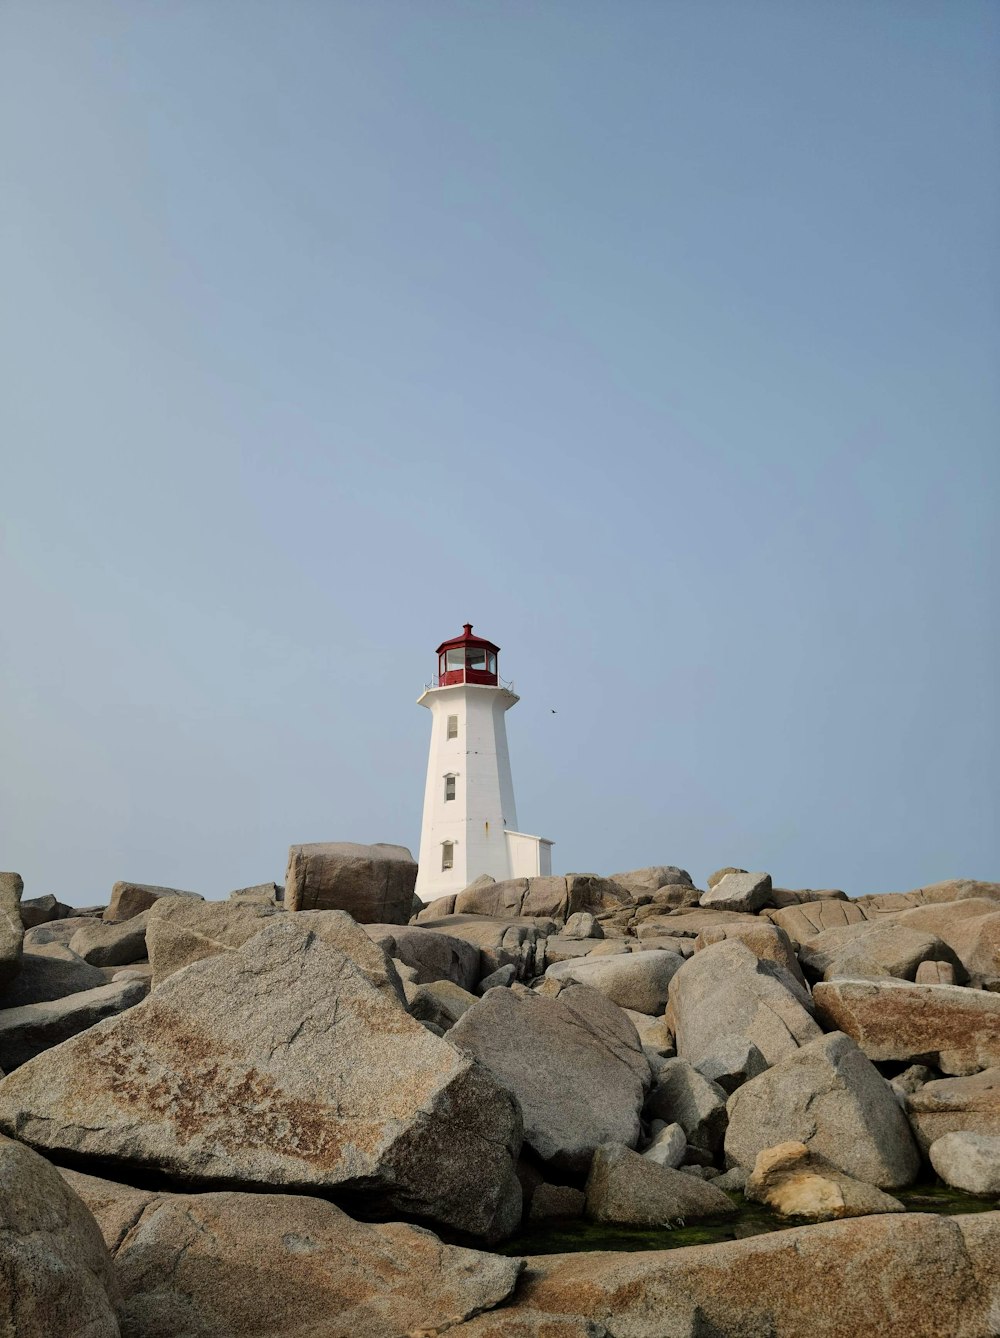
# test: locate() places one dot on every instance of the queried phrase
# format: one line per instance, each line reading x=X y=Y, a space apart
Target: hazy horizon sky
x=660 y=341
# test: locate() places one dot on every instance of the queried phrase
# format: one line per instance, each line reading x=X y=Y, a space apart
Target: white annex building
x=470 y=822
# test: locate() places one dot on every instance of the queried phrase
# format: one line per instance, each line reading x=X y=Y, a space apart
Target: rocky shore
x=329 y=1111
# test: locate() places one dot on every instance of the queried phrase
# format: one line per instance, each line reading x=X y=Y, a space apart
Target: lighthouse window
x=476 y=659
x=456 y=658
x=493 y=663
x=447 y=855
x=453 y=727
x=449 y=787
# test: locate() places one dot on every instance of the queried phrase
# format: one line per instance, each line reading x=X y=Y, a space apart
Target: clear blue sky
x=659 y=340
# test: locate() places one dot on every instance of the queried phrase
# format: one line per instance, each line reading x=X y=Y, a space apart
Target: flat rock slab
x=232 y=1265
x=829 y=1096
x=906 y=1275
x=874 y=950
x=954 y=1029
x=131 y=899
x=811 y=918
x=282 y=1064
x=58 y=1280
x=947 y=1105
x=33 y=1028
x=738 y=891
x=636 y=980
x=109 y=944
x=574 y=1063
x=630 y=1190
x=50 y=973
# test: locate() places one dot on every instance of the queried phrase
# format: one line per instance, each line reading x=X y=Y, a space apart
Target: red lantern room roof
x=467 y=659
x=467 y=639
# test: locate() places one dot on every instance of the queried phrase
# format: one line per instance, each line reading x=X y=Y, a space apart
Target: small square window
x=447 y=855
x=453 y=727
x=449 y=787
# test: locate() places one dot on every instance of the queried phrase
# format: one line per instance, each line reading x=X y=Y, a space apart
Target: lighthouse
x=470 y=822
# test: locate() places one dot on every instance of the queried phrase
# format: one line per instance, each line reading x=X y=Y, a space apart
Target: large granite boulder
x=682 y=1095
x=651 y=921
x=630 y=1190
x=874 y=950
x=830 y=1097
x=954 y=1029
x=32 y=1028
x=969 y=926
x=746 y=892
x=555 y=897
x=903 y=1275
x=41 y=910
x=949 y=1105
x=232 y=1265
x=636 y=980
x=56 y=1275
x=11 y=928
x=282 y=1063
x=131 y=899
x=374 y=884
x=726 y=991
x=968 y=1161
x=574 y=1062
x=765 y=940
x=805 y=921
x=180 y=931
x=432 y=955
x=796 y=1181
x=111 y=944
x=500 y=943
x=58 y=931
x=50 y=971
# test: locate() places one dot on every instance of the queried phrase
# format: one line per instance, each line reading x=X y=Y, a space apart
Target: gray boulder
x=954 y=1029
x=668 y=1146
x=433 y=955
x=32 y=1028
x=180 y=931
x=236 y=1265
x=968 y=1161
x=582 y=925
x=733 y=1062
x=131 y=899
x=441 y=1002
x=683 y=1095
x=40 y=910
x=282 y=1064
x=652 y=878
x=260 y=894
x=951 y=1105
x=764 y=940
x=58 y=1280
x=11 y=928
x=725 y=992
x=500 y=942
x=805 y=921
x=636 y=980
x=574 y=1063
x=556 y=1201
x=58 y=931
x=50 y=972
x=830 y=1097
x=111 y=944
x=630 y=1190
x=374 y=884
x=747 y=892
x=874 y=949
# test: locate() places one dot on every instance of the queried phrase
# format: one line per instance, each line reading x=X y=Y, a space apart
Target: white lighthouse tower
x=470 y=823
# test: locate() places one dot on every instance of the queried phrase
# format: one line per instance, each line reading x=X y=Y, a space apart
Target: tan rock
x=374 y=884
x=954 y=1029
x=636 y=980
x=805 y=921
x=31 y=1029
x=950 y=1105
x=631 y=1190
x=935 y=973
x=746 y=892
x=131 y=899
x=111 y=944
x=650 y=922
x=11 y=926
x=874 y=950
x=282 y=1063
x=766 y=941
x=794 y=1181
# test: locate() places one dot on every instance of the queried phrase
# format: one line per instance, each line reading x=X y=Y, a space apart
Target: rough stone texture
x=733 y=1181
x=110 y=944
x=40 y=910
x=746 y=892
x=726 y=992
x=714 y=879
x=630 y=1190
x=794 y=1181
x=936 y=973
x=805 y=921
x=502 y=976
x=874 y=950
x=232 y=1265
x=650 y=922
x=968 y=1161
x=574 y=1063
x=131 y=899
x=501 y=900
x=50 y=973
x=582 y=925
x=767 y=941
x=374 y=884
x=833 y=1099
x=11 y=928
x=57 y=931
x=441 y=1002
x=29 y=1030
x=652 y=878
x=911 y=1080
x=668 y=1146
x=949 y=1105
x=956 y=1030
x=434 y=956
x=561 y=949
x=684 y=1095
x=180 y=931
x=733 y=1062
x=500 y=942
x=636 y=980
x=789 y=896
x=935 y=894
x=588 y=892
x=556 y=1201
x=439 y=907
x=654 y=1033
x=261 y=894
x=904 y=1275
x=282 y=1064
x=970 y=927
x=56 y=1275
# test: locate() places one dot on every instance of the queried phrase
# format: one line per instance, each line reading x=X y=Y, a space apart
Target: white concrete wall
x=529 y=856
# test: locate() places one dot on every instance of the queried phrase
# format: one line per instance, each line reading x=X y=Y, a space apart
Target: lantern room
x=467 y=659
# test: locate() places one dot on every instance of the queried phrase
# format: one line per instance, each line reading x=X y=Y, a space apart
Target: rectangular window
x=453 y=727
x=455 y=658
x=449 y=787
x=476 y=659
x=447 y=855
